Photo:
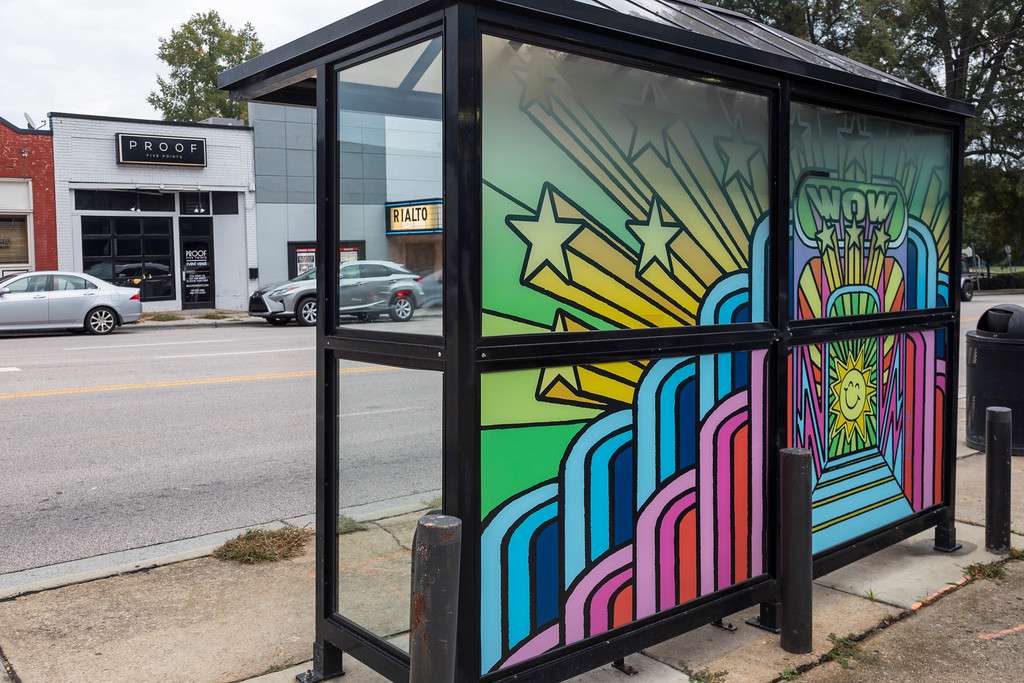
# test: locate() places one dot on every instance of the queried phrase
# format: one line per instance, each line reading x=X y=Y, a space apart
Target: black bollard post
x=796 y=561
x=998 y=447
x=434 y=605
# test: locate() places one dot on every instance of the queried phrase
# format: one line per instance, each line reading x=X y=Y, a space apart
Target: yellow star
x=826 y=238
x=546 y=236
x=565 y=374
x=853 y=235
x=654 y=236
x=538 y=78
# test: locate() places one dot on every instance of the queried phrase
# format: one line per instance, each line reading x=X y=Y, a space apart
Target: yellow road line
x=171 y=384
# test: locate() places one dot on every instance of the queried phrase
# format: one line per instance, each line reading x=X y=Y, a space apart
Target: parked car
x=433 y=290
x=366 y=290
x=59 y=300
x=966 y=287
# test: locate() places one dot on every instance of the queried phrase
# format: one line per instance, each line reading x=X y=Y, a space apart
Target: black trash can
x=995 y=372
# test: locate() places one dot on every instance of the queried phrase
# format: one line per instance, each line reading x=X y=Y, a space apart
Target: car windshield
x=8 y=278
x=305 y=277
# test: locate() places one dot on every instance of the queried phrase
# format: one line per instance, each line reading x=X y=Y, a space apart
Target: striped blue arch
x=655 y=396
x=759 y=271
x=922 y=267
x=599 y=469
x=520 y=597
x=492 y=607
x=574 y=475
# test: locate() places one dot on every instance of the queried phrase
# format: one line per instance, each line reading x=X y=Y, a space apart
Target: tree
x=196 y=52
x=970 y=50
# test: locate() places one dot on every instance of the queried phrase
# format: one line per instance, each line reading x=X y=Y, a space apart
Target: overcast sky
x=99 y=56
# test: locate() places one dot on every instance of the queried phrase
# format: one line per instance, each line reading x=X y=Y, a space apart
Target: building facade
x=166 y=207
x=28 y=235
x=390 y=201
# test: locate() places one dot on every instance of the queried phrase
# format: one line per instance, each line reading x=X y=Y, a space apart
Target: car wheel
x=278 y=322
x=967 y=291
x=305 y=312
x=401 y=309
x=100 y=321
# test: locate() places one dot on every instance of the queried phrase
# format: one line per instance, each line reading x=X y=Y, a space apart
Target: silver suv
x=366 y=290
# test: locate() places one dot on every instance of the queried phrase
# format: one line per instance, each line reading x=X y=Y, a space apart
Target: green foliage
x=347 y=525
x=196 y=53
x=990 y=570
x=969 y=50
x=846 y=650
x=790 y=675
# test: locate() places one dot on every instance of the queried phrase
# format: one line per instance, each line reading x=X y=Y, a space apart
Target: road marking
x=137 y=346
x=10 y=369
x=171 y=384
x=384 y=411
x=235 y=353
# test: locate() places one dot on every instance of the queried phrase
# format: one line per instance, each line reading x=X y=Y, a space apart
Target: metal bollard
x=998 y=447
x=434 y=604
x=796 y=561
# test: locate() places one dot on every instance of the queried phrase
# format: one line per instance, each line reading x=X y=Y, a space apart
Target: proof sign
x=162 y=150
x=406 y=218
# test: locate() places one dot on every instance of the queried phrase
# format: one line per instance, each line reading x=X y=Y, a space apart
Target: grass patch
x=261 y=545
x=989 y=570
x=870 y=595
x=214 y=315
x=846 y=650
x=790 y=675
x=1016 y=555
x=707 y=676
x=347 y=525
x=164 y=317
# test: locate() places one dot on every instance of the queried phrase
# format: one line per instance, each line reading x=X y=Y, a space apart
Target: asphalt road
x=148 y=436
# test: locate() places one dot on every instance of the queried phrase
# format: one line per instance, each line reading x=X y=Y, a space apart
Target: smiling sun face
x=852 y=388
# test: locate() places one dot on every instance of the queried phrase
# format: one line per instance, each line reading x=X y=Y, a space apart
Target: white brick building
x=184 y=234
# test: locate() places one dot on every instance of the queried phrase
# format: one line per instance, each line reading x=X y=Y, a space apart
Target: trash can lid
x=1004 y=320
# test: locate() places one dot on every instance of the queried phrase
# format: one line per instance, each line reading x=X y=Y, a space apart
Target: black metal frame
x=286 y=75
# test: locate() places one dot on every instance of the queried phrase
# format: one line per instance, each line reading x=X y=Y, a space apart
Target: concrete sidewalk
x=208 y=620
x=200 y=317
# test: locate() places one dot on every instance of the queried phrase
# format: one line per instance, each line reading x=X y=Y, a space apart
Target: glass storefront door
x=197 y=285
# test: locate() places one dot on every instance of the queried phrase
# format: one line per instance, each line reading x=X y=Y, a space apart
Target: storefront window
x=131 y=252
x=13 y=239
x=389 y=130
x=114 y=200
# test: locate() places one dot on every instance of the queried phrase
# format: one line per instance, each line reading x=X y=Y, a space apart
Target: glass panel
x=871 y=214
x=389 y=474
x=618 y=198
x=225 y=203
x=96 y=247
x=872 y=412
x=390 y=172
x=95 y=225
x=63 y=283
x=103 y=269
x=129 y=246
x=13 y=239
x=126 y=226
x=613 y=491
x=195 y=203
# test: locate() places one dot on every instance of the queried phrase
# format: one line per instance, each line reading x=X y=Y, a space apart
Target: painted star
x=737 y=155
x=826 y=238
x=652 y=119
x=537 y=77
x=565 y=374
x=856 y=143
x=546 y=236
x=654 y=236
x=854 y=234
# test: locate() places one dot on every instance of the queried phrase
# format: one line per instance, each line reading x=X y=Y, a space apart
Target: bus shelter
x=648 y=244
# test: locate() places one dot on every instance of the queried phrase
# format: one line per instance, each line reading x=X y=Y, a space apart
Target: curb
x=187 y=324
x=49 y=577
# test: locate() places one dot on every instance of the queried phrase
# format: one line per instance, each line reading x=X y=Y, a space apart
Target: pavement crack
x=391 y=533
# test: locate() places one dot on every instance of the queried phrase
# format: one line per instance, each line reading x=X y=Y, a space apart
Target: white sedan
x=73 y=301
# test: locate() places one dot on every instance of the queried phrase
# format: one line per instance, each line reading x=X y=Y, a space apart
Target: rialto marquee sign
x=412 y=218
x=162 y=150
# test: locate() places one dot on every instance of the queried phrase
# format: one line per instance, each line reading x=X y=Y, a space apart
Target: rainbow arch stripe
x=654 y=505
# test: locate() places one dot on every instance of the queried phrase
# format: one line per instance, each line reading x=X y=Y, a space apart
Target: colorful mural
x=870 y=215
x=618 y=198
x=872 y=413
x=614 y=491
